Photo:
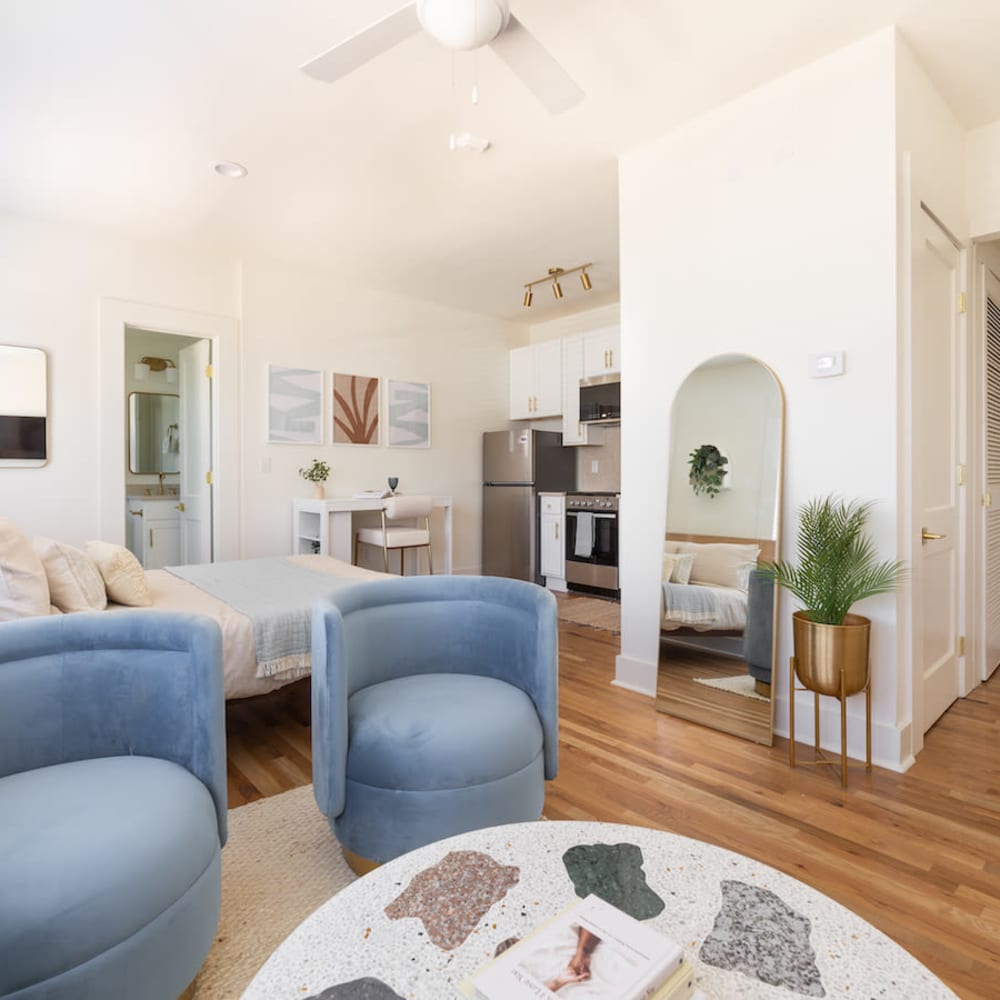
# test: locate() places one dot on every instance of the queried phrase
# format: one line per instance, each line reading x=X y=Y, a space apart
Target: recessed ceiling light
x=229 y=168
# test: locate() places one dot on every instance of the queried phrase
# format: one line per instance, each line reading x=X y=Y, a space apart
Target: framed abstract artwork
x=409 y=414
x=355 y=409
x=294 y=405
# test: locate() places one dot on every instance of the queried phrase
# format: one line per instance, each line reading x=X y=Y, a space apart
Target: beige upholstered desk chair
x=401 y=537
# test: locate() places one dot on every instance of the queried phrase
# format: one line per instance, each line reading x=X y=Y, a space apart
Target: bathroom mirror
x=153 y=433
x=717 y=614
x=23 y=406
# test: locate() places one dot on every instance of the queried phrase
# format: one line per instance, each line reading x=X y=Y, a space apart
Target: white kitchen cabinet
x=153 y=531
x=552 y=540
x=602 y=352
x=536 y=381
x=574 y=432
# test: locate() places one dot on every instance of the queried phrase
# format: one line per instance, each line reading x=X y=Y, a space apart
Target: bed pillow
x=683 y=561
x=75 y=583
x=725 y=564
x=669 y=564
x=24 y=589
x=123 y=574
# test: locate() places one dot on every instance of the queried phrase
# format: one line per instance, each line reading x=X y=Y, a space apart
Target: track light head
x=557 y=289
x=527 y=296
x=585 y=281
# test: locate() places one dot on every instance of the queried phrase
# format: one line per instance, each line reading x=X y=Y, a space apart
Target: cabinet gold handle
x=611 y=358
x=929 y=536
x=150 y=537
x=181 y=507
x=557 y=531
x=136 y=513
x=605 y=359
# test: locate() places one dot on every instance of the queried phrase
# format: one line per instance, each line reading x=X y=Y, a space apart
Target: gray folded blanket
x=277 y=596
x=690 y=604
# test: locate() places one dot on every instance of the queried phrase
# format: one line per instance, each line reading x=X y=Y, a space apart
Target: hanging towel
x=584 y=535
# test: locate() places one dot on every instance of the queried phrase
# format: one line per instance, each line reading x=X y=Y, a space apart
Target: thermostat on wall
x=826 y=365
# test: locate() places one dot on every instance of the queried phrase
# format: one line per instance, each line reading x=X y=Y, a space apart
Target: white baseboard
x=635 y=675
x=890 y=743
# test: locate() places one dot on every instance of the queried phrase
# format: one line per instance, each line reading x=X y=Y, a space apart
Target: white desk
x=329 y=524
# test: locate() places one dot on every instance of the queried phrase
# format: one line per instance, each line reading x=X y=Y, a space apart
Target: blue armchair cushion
x=138 y=830
x=458 y=730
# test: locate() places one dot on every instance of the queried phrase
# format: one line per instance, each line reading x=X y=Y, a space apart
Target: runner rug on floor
x=281 y=862
x=591 y=611
x=741 y=684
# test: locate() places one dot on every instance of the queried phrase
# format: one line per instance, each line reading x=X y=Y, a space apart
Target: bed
x=243 y=674
x=263 y=606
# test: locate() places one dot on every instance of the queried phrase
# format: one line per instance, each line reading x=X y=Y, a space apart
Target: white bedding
x=731 y=616
x=239 y=659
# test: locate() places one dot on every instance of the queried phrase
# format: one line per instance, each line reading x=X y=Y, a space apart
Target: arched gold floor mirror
x=717 y=621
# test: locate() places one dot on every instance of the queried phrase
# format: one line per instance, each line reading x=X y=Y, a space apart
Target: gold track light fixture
x=555 y=273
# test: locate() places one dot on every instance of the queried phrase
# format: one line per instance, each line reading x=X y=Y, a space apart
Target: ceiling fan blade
x=347 y=56
x=535 y=68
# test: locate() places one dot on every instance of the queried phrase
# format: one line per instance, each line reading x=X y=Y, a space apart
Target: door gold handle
x=929 y=536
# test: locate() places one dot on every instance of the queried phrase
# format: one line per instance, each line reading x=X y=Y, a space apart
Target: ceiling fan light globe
x=463 y=24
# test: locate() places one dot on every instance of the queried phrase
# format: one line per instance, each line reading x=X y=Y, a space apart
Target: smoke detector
x=469 y=142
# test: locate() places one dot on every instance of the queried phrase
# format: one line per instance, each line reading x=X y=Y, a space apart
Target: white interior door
x=196 y=452
x=937 y=494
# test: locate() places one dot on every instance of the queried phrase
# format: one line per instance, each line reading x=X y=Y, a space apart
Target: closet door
x=992 y=476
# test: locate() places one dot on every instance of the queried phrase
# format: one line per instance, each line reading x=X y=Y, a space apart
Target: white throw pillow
x=123 y=574
x=669 y=563
x=726 y=564
x=75 y=583
x=682 y=567
x=24 y=589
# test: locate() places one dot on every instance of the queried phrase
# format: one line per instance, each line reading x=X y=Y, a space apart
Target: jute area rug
x=280 y=863
x=742 y=684
x=591 y=611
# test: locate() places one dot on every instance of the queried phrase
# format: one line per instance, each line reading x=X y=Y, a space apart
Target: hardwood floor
x=917 y=854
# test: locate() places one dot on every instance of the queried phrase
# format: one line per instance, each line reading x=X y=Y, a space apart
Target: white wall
x=315 y=321
x=983 y=191
x=52 y=280
x=578 y=322
x=767 y=227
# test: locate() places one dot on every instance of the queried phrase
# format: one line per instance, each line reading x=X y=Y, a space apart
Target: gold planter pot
x=822 y=651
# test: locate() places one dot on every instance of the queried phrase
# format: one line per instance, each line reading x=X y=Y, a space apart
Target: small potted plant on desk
x=317 y=474
x=838 y=566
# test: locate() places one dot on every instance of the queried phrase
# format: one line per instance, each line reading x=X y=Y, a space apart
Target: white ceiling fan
x=457 y=24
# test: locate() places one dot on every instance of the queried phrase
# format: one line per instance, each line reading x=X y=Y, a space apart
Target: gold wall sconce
x=145 y=365
x=555 y=273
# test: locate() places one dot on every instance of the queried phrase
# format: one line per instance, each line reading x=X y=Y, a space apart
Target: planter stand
x=842 y=697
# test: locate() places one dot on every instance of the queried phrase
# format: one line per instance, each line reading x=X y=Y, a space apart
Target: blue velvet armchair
x=112 y=804
x=435 y=709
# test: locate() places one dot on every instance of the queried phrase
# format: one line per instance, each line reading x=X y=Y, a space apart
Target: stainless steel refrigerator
x=517 y=465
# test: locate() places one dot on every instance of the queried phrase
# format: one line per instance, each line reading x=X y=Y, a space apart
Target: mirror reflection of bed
x=717 y=611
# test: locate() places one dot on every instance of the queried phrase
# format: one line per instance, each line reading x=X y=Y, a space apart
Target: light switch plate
x=826 y=365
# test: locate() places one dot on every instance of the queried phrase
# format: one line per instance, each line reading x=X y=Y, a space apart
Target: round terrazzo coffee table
x=416 y=927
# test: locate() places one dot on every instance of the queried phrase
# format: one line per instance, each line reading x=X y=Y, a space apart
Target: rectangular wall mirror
x=23 y=406
x=154 y=444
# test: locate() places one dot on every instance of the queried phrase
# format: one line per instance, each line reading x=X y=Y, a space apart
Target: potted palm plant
x=837 y=567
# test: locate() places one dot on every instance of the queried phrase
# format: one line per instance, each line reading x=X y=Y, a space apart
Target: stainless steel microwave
x=600 y=399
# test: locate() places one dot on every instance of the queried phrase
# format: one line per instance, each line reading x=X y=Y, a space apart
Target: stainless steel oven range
x=592 y=543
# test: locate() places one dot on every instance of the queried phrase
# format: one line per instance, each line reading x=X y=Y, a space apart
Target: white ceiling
x=112 y=111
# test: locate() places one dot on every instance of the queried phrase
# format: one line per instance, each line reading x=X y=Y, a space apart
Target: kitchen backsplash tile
x=609 y=460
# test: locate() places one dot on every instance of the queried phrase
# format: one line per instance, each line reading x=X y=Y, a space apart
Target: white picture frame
x=408 y=414
x=294 y=405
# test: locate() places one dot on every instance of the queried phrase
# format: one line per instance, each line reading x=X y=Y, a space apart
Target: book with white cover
x=591 y=950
